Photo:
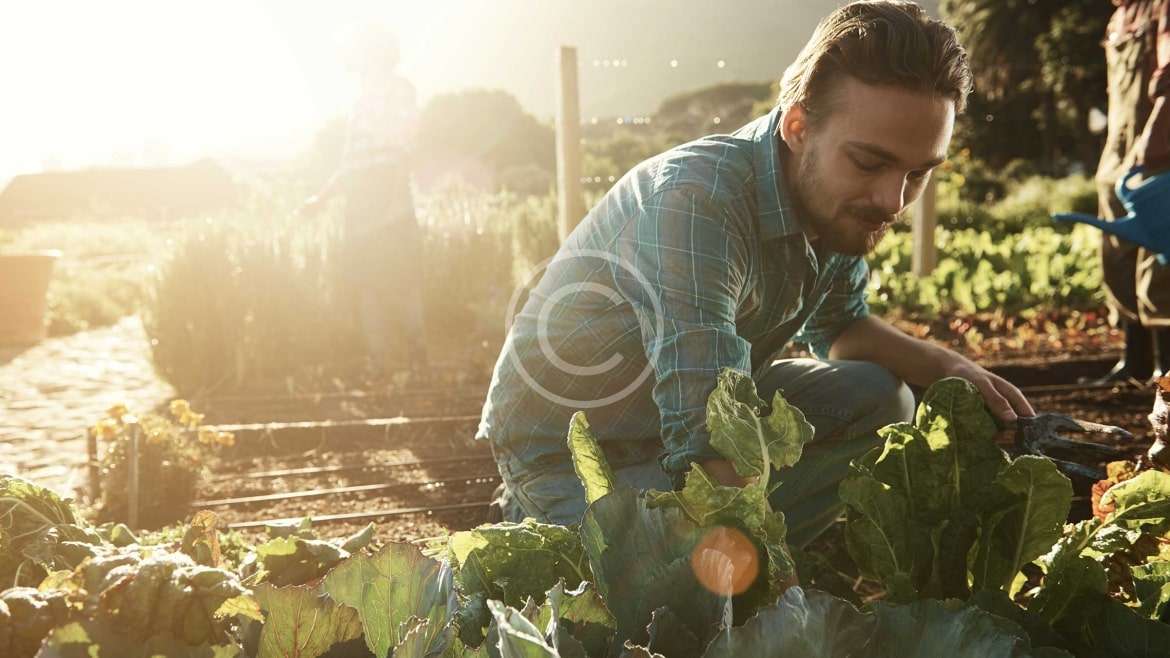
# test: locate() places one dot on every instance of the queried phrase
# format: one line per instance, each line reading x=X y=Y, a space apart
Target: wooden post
x=133 y=475
x=95 y=482
x=570 y=193
x=925 y=220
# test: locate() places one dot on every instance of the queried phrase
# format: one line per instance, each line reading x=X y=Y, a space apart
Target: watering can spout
x=1148 y=220
x=1126 y=229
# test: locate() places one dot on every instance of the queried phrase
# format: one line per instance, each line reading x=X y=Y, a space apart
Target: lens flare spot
x=725 y=561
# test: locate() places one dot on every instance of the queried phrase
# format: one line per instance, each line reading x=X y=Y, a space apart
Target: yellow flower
x=117 y=411
x=207 y=436
x=191 y=419
x=226 y=439
x=106 y=428
x=180 y=408
x=154 y=437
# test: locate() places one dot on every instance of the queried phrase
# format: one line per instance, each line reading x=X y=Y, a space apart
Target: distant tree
x=488 y=126
x=1039 y=68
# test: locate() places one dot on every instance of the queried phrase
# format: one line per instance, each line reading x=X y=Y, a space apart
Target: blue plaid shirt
x=695 y=261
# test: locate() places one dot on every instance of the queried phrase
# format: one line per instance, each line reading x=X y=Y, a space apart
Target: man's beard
x=843 y=233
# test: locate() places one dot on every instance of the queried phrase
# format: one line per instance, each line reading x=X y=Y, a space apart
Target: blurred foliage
x=247 y=302
x=102 y=273
x=1039 y=68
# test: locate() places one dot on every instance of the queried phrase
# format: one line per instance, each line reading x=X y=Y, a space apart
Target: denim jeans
x=846 y=402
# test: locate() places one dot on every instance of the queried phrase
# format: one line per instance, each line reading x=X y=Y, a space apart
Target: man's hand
x=1002 y=397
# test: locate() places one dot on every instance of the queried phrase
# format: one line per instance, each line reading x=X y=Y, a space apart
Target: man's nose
x=891 y=194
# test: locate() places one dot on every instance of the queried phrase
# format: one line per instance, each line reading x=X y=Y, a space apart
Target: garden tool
x=1147 y=222
x=1040 y=435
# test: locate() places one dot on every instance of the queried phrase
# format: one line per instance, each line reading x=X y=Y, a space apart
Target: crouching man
x=718 y=253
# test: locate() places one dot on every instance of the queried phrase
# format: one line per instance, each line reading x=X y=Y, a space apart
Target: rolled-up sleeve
x=844 y=303
x=683 y=267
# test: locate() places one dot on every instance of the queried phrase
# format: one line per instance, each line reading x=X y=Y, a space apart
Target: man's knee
x=887 y=399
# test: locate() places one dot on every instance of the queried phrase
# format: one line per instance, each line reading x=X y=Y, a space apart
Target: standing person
x=716 y=254
x=1137 y=53
x=381 y=241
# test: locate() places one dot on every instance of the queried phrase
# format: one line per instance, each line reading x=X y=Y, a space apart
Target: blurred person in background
x=381 y=242
x=1137 y=52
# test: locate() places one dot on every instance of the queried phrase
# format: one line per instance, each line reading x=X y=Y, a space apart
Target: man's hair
x=879 y=42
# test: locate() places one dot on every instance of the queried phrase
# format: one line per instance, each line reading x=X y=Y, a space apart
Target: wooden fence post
x=570 y=194
x=925 y=220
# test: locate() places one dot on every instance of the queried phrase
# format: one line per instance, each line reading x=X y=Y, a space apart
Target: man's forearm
x=914 y=361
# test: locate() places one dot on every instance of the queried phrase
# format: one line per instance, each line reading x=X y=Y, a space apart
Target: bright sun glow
x=139 y=82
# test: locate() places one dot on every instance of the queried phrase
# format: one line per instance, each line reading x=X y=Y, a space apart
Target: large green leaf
x=1099 y=626
x=809 y=625
x=1151 y=584
x=641 y=559
x=710 y=504
x=300 y=623
x=390 y=589
x=580 y=614
x=519 y=637
x=1021 y=519
x=588 y=459
x=930 y=629
x=748 y=439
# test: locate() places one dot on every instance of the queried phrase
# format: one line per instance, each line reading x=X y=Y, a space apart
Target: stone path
x=50 y=393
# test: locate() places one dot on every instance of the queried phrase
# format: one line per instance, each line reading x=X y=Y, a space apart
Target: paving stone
x=52 y=392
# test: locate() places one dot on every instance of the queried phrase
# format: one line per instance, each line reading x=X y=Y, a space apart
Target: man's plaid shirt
x=694 y=262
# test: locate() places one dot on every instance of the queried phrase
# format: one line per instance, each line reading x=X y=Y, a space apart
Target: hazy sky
x=100 y=82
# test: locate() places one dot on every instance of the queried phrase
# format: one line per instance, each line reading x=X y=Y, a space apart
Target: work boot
x=1137 y=363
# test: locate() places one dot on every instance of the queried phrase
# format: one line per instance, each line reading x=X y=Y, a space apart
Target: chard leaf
x=930 y=628
x=300 y=623
x=912 y=502
x=1141 y=501
x=511 y=562
x=808 y=624
x=877 y=533
x=641 y=560
x=391 y=589
x=293 y=560
x=1021 y=519
x=747 y=439
x=1151 y=584
x=1100 y=626
x=588 y=460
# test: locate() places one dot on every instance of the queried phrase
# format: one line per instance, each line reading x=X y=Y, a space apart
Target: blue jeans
x=846 y=402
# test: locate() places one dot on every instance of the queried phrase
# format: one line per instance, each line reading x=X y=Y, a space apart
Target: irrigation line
x=348 y=468
x=360 y=488
x=364 y=516
x=1073 y=388
x=386 y=423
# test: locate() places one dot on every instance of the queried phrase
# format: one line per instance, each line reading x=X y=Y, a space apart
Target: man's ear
x=794 y=127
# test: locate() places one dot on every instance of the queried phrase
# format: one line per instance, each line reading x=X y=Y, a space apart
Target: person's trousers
x=845 y=401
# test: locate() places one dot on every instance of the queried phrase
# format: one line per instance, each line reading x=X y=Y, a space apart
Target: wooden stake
x=570 y=194
x=132 y=499
x=925 y=220
x=92 y=466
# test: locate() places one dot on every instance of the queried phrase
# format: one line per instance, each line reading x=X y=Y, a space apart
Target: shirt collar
x=777 y=216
